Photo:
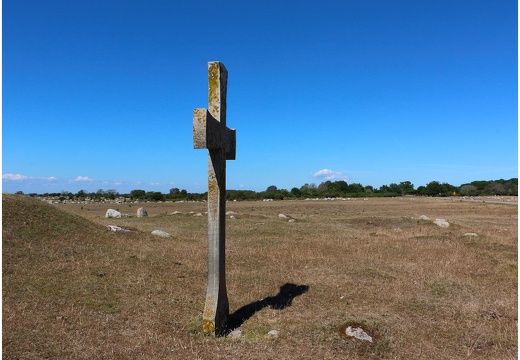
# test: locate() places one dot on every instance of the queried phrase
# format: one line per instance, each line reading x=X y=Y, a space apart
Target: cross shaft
x=210 y=132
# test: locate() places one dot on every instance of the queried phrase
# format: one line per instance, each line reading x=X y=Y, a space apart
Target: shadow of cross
x=210 y=132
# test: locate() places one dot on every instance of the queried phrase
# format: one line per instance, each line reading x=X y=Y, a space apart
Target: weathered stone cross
x=210 y=132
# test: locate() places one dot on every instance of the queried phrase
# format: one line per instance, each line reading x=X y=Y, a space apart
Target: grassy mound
x=73 y=289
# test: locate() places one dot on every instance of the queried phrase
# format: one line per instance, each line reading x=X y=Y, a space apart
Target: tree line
x=327 y=189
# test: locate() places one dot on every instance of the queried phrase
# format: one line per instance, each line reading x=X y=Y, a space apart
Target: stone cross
x=210 y=132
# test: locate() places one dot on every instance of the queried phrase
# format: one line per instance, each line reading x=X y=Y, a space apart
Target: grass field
x=73 y=289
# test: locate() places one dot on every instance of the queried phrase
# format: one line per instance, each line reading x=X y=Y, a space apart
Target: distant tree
x=356 y=188
x=19 y=193
x=495 y=188
x=137 y=194
x=271 y=188
x=155 y=196
x=175 y=191
x=406 y=187
x=468 y=190
x=433 y=188
x=111 y=193
x=296 y=192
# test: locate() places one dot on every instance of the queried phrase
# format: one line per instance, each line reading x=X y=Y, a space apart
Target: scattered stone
x=470 y=234
x=237 y=333
x=176 y=212
x=398 y=229
x=141 y=212
x=441 y=223
x=198 y=215
x=273 y=333
x=424 y=217
x=358 y=333
x=232 y=217
x=111 y=213
x=292 y=220
x=117 y=228
x=230 y=213
x=161 y=233
x=283 y=216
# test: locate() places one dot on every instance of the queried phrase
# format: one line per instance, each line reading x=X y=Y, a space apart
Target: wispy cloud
x=83 y=178
x=328 y=174
x=14 y=177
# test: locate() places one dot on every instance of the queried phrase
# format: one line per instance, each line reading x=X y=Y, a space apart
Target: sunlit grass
x=72 y=289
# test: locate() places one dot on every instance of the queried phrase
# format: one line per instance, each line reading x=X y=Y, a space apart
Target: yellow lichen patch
x=208 y=325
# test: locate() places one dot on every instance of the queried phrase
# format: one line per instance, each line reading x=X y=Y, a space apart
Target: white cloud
x=14 y=177
x=328 y=174
x=83 y=178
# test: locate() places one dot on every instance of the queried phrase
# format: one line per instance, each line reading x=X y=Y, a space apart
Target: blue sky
x=100 y=94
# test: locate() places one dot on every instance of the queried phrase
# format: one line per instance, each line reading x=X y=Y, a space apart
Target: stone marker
x=210 y=132
x=141 y=212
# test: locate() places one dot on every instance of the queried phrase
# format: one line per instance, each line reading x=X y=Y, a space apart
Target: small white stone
x=470 y=234
x=273 y=333
x=161 y=233
x=441 y=223
x=358 y=333
x=198 y=215
x=282 y=216
x=237 y=333
x=424 y=217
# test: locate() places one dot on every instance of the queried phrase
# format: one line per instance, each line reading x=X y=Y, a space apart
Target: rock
x=424 y=217
x=470 y=234
x=232 y=217
x=198 y=215
x=111 y=213
x=116 y=228
x=441 y=223
x=358 y=333
x=176 y=212
x=230 y=213
x=115 y=214
x=141 y=212
x=283 y=216
x=237 y=333
x=161 y=233
x=291 y=220
x=273 y=333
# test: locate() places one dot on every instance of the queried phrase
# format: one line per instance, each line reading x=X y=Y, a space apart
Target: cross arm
x=208 y=133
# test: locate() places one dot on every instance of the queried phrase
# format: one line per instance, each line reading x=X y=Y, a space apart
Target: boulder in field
x=141 y=212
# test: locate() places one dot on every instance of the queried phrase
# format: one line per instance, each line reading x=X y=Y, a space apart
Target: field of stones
x=370 y=278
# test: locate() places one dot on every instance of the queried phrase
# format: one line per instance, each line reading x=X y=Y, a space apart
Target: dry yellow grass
x=72 y=289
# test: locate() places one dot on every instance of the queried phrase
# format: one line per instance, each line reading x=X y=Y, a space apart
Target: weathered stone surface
x=161 y=233
x=441 y=223
x=210 y=132
x=273 y=333
x=141 y=212
x=424 y=217
x=470 y=234
x=176 y=212
x=283 y=216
